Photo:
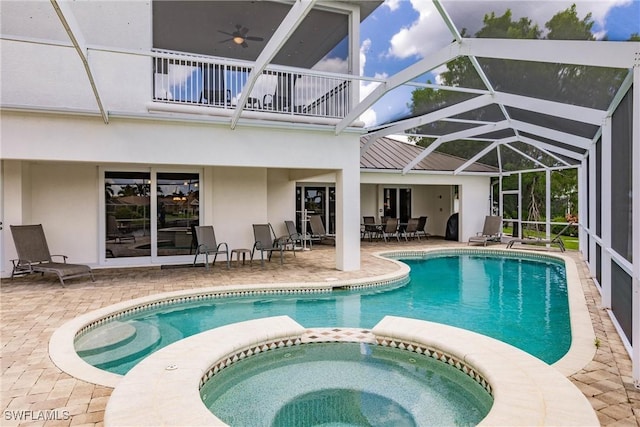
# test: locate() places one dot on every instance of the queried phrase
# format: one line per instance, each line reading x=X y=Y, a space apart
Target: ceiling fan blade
x=244 y=31
x=255 y=39
x=244 y=44
x=224 y=41
x=224 y=32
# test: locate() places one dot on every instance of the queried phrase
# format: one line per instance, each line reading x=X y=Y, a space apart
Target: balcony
x=205 y=85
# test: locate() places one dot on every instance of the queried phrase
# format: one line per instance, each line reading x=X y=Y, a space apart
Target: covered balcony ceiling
x=208 y=28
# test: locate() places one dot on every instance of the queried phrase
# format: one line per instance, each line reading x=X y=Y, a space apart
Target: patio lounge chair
x=34 y=255
x=539 y=241
x=491 y=232
x=206 y=244
x=265 y=241
x=318 y=231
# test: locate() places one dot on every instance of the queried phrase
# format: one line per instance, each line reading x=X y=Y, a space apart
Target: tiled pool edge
x=163 y=389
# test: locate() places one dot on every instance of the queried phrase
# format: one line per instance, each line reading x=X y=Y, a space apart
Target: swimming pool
x=521 y=300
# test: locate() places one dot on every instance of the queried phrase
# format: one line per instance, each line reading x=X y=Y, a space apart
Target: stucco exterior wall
x=52 y=168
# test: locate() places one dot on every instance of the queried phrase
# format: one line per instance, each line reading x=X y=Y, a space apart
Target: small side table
x=244 y=253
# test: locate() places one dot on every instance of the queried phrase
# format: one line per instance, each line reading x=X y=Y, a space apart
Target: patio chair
x=422 y=227
x=318 y=231
x=115 y=234
x=491 y=232
x=412 y=229
x=390 y=229
x=207 y=245
x=370 y=228
x=34 y=255
x=557 y=240
x=266 y=241
x=295 y=237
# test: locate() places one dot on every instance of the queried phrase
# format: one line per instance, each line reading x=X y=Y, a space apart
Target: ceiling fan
x=240 y=37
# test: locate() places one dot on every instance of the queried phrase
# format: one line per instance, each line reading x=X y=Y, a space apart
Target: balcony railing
x=193 y=80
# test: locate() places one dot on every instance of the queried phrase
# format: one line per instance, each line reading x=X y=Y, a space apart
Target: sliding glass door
x=133 y=198
x=177 y=201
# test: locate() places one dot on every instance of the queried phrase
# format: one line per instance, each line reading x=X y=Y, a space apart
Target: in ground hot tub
x=344 y=384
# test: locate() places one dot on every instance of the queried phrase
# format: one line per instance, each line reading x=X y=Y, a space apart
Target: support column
x=348 y=219
x=547 y=203
x=635 y=184
x=16 y=212
x=583 y=209
x=592 y=209
x=605 y=222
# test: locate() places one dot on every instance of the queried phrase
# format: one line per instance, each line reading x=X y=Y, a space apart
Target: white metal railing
x=218 y=83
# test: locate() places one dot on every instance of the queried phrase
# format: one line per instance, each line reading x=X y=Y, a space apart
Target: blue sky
x=402 y=32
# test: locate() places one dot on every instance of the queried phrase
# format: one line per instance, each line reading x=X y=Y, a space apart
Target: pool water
x=517 y=300
x=344 y=384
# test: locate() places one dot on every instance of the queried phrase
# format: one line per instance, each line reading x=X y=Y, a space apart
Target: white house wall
x=434 y=201
x=52 y=164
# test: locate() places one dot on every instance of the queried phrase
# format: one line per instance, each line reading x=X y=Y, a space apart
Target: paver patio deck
x=34 y=392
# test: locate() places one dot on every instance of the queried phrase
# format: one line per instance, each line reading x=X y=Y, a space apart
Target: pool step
x=145 y=338
x=105 y=338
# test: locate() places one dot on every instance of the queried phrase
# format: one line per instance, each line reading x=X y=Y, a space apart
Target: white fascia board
x=576 y=52
x=452 y=137
x=294 y=17
x=551 y=148
x=563 y=137
x=443 y=56
x=558 y=109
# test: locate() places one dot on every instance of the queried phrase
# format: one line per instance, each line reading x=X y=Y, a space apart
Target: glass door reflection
x=178 y=205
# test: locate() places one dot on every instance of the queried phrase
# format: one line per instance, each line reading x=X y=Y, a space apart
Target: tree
x=586 y=86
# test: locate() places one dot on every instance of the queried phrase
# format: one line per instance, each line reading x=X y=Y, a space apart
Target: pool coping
x=581 y=352
x=164 y=388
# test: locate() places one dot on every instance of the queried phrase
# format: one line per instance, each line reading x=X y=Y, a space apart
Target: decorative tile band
x=434 y=353
x=247 y=352
x=378 y=284
x=440 y=356
x=417 y=254
x=193 y=298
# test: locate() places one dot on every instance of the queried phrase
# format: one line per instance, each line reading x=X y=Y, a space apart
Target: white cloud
x=364 y=49
x=392 y=4
x=422 y=36
x=369 y=118
x=333 y=65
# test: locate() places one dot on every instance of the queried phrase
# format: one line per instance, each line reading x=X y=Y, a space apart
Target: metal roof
x=391 y=154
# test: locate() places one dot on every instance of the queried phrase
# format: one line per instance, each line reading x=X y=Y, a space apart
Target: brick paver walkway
x=34 y=390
